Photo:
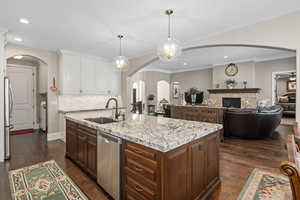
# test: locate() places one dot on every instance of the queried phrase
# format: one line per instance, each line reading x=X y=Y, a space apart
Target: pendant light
x=121 y=61
x=170 y=49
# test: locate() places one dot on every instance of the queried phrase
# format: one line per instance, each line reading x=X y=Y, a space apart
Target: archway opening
x=28 y=76
x=163 y=93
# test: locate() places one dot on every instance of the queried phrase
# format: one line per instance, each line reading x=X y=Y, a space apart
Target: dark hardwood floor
x=238 y=159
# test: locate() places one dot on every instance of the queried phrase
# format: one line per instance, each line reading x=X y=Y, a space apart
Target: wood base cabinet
x=190 y=172
x=81 y=147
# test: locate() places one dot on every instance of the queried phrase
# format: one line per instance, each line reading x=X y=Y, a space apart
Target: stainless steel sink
x=101 y=120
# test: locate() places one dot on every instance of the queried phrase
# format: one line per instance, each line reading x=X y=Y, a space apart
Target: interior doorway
x=23 y=84
x=163 y=91
x=28 y=77
x=284 y=94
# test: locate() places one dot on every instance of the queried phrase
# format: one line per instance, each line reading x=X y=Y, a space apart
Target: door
x=198 y=173
x=22 y=84
x=82 y=149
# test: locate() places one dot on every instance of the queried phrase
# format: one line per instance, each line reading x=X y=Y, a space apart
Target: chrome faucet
x=117 y=114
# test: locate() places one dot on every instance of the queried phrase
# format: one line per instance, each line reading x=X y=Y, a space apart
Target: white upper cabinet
x=81 y=74
x=88 y=76
x=69 y=75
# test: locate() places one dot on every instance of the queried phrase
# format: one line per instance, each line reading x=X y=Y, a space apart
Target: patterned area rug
x=43 y=181
x=263 y=185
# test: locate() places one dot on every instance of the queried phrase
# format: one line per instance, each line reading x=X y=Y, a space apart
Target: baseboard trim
x=54 y=136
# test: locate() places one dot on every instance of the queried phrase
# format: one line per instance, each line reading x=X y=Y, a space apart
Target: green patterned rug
x=43 y=181
x=263 y=185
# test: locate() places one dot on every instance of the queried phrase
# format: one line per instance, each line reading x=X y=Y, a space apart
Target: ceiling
x=91 y=26
x=208 y=57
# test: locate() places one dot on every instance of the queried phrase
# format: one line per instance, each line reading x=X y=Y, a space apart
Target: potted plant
x=193 y=92
x=230 y=83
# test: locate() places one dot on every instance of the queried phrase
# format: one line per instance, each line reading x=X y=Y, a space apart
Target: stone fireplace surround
x=249 y=96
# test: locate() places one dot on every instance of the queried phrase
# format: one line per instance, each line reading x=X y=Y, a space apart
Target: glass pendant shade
x=169 y=50
x=121 y=62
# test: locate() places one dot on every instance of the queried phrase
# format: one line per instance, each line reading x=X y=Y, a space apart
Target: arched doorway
x=163 y=91
x=28 y=77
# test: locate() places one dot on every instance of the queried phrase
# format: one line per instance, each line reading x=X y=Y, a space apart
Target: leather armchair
x=251 y=123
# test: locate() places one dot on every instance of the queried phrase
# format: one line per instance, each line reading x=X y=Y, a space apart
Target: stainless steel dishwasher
x=108 y=163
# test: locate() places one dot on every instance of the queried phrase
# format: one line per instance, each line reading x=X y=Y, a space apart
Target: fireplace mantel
x=234 y=90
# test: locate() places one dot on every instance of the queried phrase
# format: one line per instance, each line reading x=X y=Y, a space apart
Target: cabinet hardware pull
x=137 y=188
x=138 y=169
x=137 y=151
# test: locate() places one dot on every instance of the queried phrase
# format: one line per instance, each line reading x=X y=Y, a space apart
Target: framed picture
x=176 y=90
x=291 y=86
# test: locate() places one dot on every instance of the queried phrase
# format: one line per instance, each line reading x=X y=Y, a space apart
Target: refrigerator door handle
x=11 y=102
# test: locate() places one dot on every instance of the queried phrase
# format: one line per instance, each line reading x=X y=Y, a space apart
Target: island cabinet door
x=198 y=169
x=175 y=174
x=92 y=155
x=82 y=149
x=212 y=156
x=71 y=140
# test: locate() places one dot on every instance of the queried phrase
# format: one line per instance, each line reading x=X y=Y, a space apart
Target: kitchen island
x=161 y=158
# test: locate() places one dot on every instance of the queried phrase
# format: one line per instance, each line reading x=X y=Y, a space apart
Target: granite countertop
x=159 y=133
x=64 y=111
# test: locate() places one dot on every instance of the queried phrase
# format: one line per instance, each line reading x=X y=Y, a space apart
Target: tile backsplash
x=83 y=102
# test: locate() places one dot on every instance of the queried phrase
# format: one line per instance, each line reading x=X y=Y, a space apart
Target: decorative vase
x=193 y=97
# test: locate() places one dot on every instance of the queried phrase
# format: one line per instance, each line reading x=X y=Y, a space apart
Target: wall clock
x=231 y=69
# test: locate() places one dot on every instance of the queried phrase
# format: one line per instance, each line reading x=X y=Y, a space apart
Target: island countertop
x=159 y=133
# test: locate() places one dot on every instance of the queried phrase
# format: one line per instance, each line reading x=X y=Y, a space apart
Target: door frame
x=274 y=82
x=34 y=99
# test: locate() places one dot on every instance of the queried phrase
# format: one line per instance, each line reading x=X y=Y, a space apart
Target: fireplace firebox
x=230 y=102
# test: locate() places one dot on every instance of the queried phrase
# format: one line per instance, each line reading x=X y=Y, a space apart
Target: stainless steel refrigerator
x=8 y=108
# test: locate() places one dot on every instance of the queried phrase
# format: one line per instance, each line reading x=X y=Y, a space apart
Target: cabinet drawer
x=87 y=130
x=71 y=124
x=141 y=169
x=141 y=150
x=141 y=160
x=140 y=189
x=132 y=195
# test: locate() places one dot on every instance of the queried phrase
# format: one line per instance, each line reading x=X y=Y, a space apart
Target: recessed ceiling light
x=225 y=57
x=18 y=57
x=18 y=39
x=24 y=21
x=184 y=63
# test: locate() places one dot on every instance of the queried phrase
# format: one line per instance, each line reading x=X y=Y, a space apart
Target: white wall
x=246 y=72
x=281 y=32
x=2 y=63
x=51 y=59
x=201 y=79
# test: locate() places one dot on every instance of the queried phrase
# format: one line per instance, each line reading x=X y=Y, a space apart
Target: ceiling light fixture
x=184 y=63
x=225 y=57
x=121 y=61
x=170 y=49
x=24 y=21
x=19 y=57
x=18 y=39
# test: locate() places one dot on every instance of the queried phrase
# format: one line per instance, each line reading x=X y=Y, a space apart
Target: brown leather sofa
x=251 y=123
